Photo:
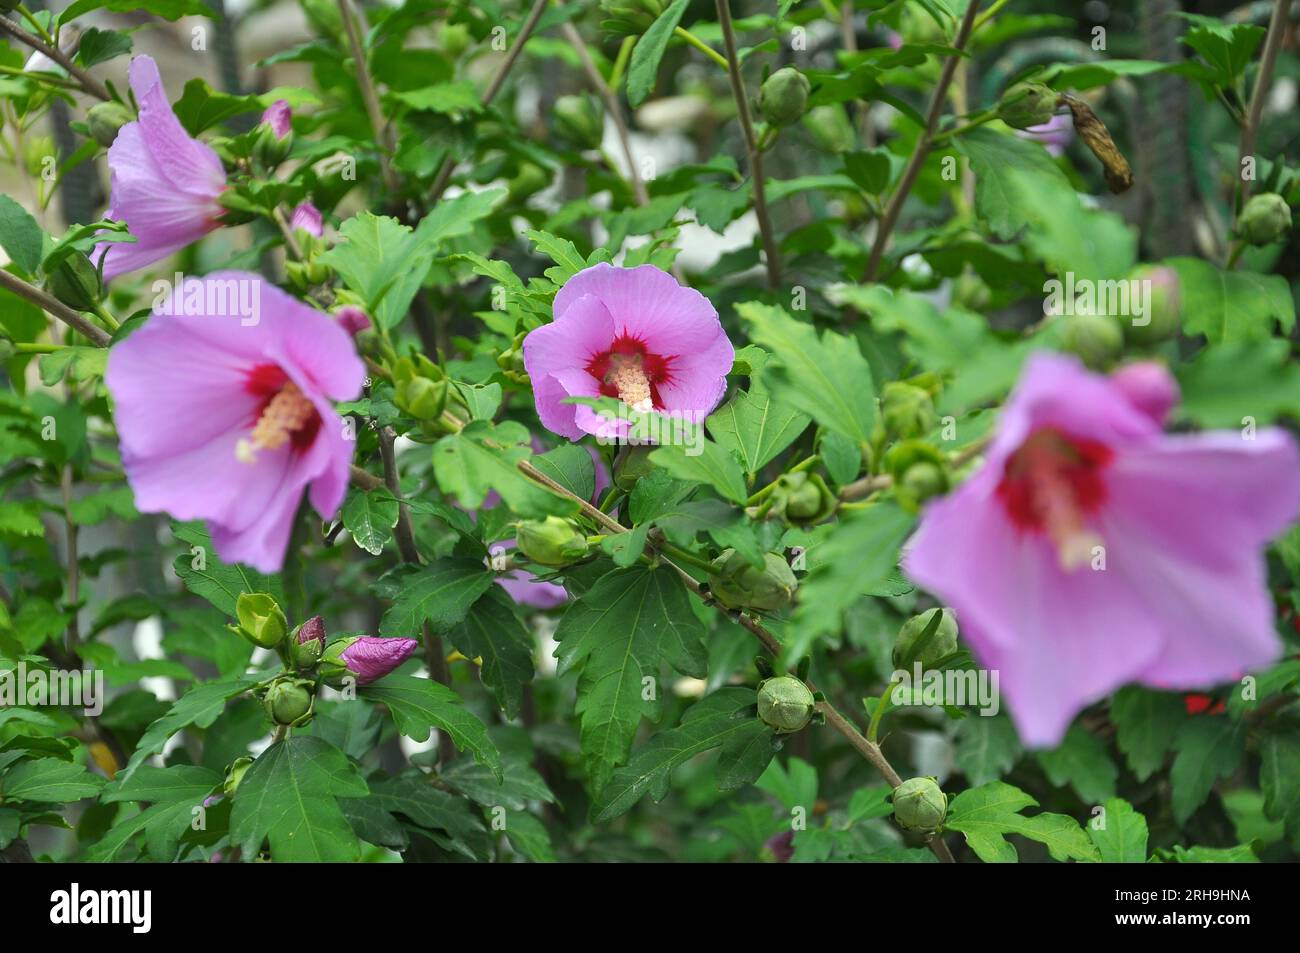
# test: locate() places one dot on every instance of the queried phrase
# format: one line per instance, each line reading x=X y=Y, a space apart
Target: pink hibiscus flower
x=164 y=183
x=630 y=333
x=227 y=418
x=1091 y=549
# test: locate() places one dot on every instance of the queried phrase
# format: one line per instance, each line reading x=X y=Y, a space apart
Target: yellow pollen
x=288 y=412
x=628 y=378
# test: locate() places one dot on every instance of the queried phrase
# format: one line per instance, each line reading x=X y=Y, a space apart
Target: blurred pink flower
x=630 y=333
x=227 y=418
x=165 y=184
x=307 y=217
x=1078 y=473
x=278 y=116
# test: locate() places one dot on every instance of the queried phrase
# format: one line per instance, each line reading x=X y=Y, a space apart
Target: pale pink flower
x=1092 y=549
x=278 y=116
x=307 y=217
x=227 y=418
x=165 y=184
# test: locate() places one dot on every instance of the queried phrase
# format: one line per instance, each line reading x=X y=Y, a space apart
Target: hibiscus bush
x=713 y=430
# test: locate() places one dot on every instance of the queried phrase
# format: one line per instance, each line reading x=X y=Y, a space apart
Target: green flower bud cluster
x=554 y=541
x=920 y=804
x=1027 y=104
x=802 y=498
x=737 y=584
x=511 y=361
x=783 y=97
x=1266 y=218
x=785 y=703
x=920 y=471
x=420 y=387
x=580 y=119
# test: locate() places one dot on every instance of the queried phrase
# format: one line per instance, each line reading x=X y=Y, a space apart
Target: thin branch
x=383 y=132
x=1272 y=43
x=88 y=83
x=612 y=107
x=917 y=159
x=755 y=155
x=53 y=306
x=448 y=163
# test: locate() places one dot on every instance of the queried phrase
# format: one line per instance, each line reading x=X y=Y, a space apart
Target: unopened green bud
x=942 y=642
x=1265 y=219
x=738 y=585
x=783 y=97
x=554 y=541
x=920 y=804
x=802 y=498
x=785 y=703
x=289 y=701
x=1096 y=339
x=1027 y=104
x=907 y=410
x=420 y=397
x=831 y=127
x=1164 y=315
x=75 y=282
x=580 y=119
x=105 y=120
x=630 y=16
x=529 y=180
x=260 y=618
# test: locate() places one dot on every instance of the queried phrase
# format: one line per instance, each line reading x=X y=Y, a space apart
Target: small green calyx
x=1027 y=104
x=261 y=620
x=785 y=703
x=554 y=541
x=738 y=585
x=942 y=642
x=1265 y=219
x=783 y=97
x=1164 y=317
x=802 y=498
x=76 y=282
x=920 y=805
x=289 y=700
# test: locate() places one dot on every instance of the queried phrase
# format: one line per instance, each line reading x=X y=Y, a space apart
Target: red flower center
x=1052 y=484
x=284 y=415
x=631 y=373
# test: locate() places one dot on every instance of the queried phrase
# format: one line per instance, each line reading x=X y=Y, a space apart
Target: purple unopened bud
x=780 y=846
x=307 y=217
x=313 y=630
x=1149 y=387
x=353 y=319
x=370 y=658
x=277 y=116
